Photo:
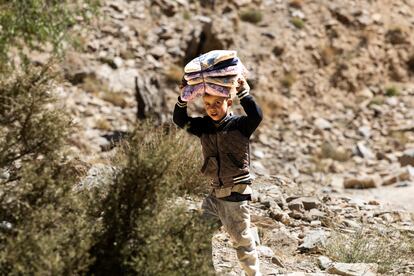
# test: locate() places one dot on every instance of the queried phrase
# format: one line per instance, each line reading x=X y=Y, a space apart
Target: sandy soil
x=393 y=196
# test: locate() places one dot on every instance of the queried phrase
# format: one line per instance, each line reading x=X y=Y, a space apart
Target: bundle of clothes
x=215 y=73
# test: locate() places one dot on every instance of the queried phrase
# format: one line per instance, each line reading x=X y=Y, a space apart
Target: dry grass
x=174 y=74
x=288 y=80
x=328 y=150
x=399 y=139
x=387 y=247
x=103 y=124
x=127 y=54
x=92 y=85
x=321 y=160
x=271 y=105
x=318 y=165
x=185 y=172
x=186 y=15
x=101 y=89
x=115 y=98
x=328 y=55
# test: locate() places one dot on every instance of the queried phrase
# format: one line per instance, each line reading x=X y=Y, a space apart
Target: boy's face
x=216 y=107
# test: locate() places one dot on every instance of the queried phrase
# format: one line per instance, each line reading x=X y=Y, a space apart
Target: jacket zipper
x=218 y=161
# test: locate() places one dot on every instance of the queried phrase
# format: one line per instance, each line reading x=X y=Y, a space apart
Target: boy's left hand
x=242 y=85
x=183 y=83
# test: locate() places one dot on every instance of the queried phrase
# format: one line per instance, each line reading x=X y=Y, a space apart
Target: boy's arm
x=249 y=123
x=181 y=119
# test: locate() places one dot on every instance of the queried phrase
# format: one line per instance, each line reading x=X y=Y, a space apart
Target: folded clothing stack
x=214 y=73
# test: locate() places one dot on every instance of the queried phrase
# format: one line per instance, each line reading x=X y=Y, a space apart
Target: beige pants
x=235 y=218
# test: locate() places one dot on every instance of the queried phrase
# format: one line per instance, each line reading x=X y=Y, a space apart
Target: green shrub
x=44 y=228
x=31 y=23
x=29 y=128
x=134 y=224
x=180 y=244
x=252 y=16
x=48 y=231
x=145 y=230
x=47 y=227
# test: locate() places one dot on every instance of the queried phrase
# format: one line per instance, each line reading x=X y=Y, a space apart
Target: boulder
x=310 y=203
x=313 y=241
x=296 y=205
x=265 y=251
x=321 y=123
x=324 y=262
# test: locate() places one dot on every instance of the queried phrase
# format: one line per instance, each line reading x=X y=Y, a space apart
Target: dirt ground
x=394 y=197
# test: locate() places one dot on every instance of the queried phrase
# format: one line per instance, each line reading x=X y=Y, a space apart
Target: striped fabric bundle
x=215 y=73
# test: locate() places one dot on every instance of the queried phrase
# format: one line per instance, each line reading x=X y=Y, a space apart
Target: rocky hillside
x=335 y=80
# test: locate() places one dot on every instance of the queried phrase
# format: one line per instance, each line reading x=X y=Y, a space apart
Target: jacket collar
x=223 y=120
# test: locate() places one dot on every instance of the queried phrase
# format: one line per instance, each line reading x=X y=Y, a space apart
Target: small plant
x=386 y=247
x=297 y=22
x=288 y=80
x=252 y=16
x=391 y=91
x=336 y=153
x=186 y=15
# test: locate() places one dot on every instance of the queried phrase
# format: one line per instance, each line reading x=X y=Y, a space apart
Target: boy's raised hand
x=242 y=85
x=183 y=83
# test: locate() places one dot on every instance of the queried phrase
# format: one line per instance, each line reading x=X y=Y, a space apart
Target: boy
x=225 y=145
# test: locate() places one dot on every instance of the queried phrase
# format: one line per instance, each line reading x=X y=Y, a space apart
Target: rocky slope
x=334 y=79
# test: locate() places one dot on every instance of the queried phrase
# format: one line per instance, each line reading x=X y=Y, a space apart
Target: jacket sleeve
x=182 y=120
x=248 y=124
